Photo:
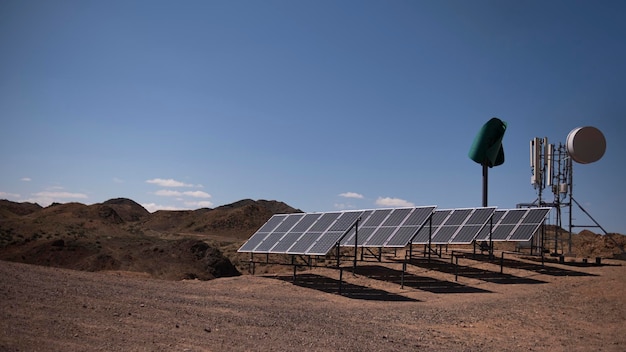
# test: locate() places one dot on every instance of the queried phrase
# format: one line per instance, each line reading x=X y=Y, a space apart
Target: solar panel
x=514 y=224
x=483 y=235
x=388 y=227
x=444 y=232
x=322 y=244
x=368 y=227
x=346 y=220
x=380 y=236
x=424 y=235
x=313 y=234
x=348 y=240
x=325 y=243
x=274 y=237
x=536 y=216
x=290 y=238
x=529 y=224
x=392 y=227
x=261 y=233
x=476 y=221
x=466 y=234
x=411 y=225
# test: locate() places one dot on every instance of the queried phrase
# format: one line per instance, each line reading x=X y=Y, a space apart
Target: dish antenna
x=586 y=144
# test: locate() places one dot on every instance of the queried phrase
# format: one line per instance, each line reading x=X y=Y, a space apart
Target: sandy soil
x=527 y=308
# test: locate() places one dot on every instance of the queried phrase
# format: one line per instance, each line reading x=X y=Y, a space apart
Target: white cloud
x=200 y=204
x=152 y=207
x=26 y=179
x=61 y=195
x=168 y=183
x=171 y=193
x=197 y=194
x=393 y=202
x=168 y=193
x=48 y=197
x=9 y=195
x=351 y=195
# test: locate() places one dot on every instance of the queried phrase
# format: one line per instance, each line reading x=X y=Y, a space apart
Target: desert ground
x=113 y=277
x=559 y=307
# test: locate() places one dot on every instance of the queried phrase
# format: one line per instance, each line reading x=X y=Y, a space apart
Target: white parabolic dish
x=586 y=144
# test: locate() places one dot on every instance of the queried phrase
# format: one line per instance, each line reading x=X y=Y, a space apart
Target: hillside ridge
x=121 y=235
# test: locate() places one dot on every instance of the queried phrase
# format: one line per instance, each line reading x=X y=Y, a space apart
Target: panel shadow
x=473 y=273
x=535 y=267
x=423 y=283
x=329 y=285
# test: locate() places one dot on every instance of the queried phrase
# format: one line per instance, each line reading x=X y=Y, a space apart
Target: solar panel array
x=514 y=224
x=318 y=233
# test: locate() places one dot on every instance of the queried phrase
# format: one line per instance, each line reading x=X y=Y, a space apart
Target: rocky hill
x=121 y=235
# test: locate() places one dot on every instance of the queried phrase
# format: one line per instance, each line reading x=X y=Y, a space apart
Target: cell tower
x=552 y=168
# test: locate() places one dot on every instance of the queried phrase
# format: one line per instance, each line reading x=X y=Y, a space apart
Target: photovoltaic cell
x=471 y=228
x=302 y=245
x=348 y=240
x=285 y=242
x=502 y=231
x=364 y=234
x=483 y=235
x=402 y=236
x=466 y=234
x=272 y=223
x=260 y=235
x=514 y=224
x=268 y=242
x=411 y=225
x=297 y=231
x=523 y=232
x=306 y=222
x=480 y=216
x=388 y=227
x=322 y=223
x=380 y=236
x=444 y=232
x=346 y=220
x=274 y=237
x=425 y=234
x=536 y=216
x=371 y=225
x=529 y=224
x=289 y=222
x=325 y=243
x=320 y=245
x=398 y=216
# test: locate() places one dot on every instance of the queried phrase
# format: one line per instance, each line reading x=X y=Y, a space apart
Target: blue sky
x=321 y=104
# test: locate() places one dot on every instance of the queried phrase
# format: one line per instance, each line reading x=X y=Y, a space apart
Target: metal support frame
x=378 y=255
x=356 y=244
x=562 y=163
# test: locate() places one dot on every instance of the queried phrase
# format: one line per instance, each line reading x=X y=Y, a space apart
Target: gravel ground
x=565 y=308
